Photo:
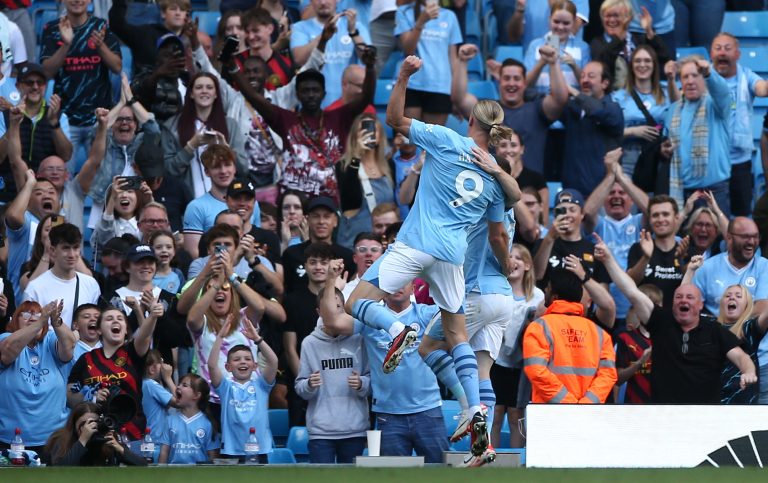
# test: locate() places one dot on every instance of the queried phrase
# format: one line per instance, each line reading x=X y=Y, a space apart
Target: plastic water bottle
x=252 y=448
x=148 y=447
x=17 y=450
x=124 y=440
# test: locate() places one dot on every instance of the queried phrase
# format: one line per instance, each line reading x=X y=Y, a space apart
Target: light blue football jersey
x=482 y=271
x=453 y=195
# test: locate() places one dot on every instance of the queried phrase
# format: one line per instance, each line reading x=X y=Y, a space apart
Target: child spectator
x=191 y=436
x=166 y=277
x=244 y=396
x=156 y=397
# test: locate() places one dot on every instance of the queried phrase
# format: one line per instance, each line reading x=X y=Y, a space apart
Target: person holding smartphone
x=563 y=242
x=365 y=178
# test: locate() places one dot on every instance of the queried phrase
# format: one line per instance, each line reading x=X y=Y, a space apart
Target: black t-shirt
x=175 y=196
x=529 y=177
x=270 y=239
x=301 y=314
x=584 y=249
x=693 y=377
x=293 y=264
x=125 y=370
x=664 y=270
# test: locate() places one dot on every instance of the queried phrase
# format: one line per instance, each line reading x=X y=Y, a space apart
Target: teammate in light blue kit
x=453 y=195
x=489 y=303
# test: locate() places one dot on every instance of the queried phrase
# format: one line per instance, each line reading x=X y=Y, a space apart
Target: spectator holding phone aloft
x=125 y=198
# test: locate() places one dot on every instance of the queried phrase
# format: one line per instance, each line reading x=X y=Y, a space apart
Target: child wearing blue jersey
x=191 y=436
x=245 y=394
x=156 y=398
x=453 y=195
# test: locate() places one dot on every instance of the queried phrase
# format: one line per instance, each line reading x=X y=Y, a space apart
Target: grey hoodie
x=335 y=410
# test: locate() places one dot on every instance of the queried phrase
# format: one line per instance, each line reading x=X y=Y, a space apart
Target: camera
x=117 y=410
x=560 y=210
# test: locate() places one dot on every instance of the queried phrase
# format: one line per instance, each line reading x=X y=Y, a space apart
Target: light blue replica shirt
x=576 y=48
x=154 y=401
x=717 y=274
x=742 y=87
x=33 y=396
x=619 y=236
x=339 y=52
x=190 y=439
x=718 y=115
x=244 y=406
x=633 y=116
x=201 y=214
x=412 y=388
x=662 y=12
x=482 y=271
x=453 y=195
x=438 y=36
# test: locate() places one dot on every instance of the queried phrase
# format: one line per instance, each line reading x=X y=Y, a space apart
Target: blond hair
x=608 y=4
x=737 y=327
x=490 y=116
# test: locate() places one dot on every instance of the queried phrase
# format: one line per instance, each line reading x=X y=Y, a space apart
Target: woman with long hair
x=121 y=213
x=643 y=87
x=79 y=442
x=200 y=123
x=365 y=178
x=33 y=354
x=506 y=372
x=221 y=302
x=573 y=53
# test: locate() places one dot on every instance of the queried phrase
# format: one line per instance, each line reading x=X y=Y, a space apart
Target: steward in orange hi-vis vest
x=567 y=357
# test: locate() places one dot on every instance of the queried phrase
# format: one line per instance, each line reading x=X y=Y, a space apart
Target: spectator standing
x=365 y=178
x=594 y=125
x=615 y=48
x=633 y=353
x=563 y=338
x=739 y=265
x=258 y=26
x=689 y=353
x=341 y=49
x=698 y=129
x=744 y=86
x=642 y=88
x=663 y=14
x=571 y=51
x=697 y=22
x=43 y=132
x=656 y=258
x=35 y=349
x=79 y=51
x=62 y=282
x=335 y=380
x=432 y=33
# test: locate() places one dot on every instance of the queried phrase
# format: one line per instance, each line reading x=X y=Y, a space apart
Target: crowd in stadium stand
x=190 y=193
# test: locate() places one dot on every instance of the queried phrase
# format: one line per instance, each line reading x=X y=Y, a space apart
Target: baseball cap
x=322 y=201
x=30 y=69
x=310 y=74
x=140 y=252
x=569 y=195
x=239 y=186
x=167 y=38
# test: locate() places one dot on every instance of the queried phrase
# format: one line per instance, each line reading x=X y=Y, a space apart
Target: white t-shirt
x=48 y=287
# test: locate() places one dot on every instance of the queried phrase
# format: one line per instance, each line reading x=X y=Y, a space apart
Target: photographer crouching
x=88 y=439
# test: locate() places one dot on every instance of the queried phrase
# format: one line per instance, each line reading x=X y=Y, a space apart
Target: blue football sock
x=441 y=364
x=488 y=397
x=372 y=314
x=466 y=368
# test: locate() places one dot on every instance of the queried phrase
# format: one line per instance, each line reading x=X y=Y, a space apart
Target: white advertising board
x=627 y=436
